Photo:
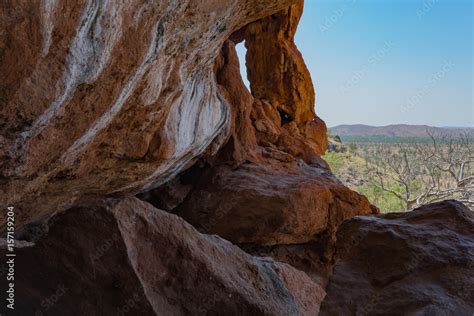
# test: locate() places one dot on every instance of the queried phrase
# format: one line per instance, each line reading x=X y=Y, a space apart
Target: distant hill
x=397 y=130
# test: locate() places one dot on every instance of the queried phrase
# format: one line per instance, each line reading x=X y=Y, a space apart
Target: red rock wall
x=102 y=97
x=267 y=185
x=103 y=100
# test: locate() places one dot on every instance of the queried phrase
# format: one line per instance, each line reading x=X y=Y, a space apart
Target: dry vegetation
x=399 y=176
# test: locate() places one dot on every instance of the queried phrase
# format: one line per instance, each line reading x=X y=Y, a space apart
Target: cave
x=147 y=179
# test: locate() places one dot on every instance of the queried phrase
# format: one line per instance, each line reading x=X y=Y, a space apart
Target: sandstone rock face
x=104 y=100
x=78 y=265
x=94 y=109
x=100 y=97
x=125 y=256
x=267 y=185
x=415 y=263
x=113 y=99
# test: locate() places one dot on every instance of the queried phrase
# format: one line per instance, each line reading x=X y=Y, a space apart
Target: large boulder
x=121 y=256
x=414 y=263
x=262 y=204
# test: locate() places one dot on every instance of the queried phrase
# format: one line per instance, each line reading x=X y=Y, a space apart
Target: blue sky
x=382 y=62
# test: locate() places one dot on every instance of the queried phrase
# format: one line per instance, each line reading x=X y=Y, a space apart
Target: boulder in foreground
x=415 y=263
x=125 y=255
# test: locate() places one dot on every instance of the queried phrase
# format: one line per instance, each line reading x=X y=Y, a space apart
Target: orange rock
x=268 y=184
x=109 y=98
x=268 y=204
x=113 y=98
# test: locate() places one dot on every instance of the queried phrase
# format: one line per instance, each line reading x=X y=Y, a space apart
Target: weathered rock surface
x=415 y=263
x=268 y=184
x=102 y=97
x=260 y=204
x=116 y=113
x=79 y=265
x=101 y=100
x=120 y=256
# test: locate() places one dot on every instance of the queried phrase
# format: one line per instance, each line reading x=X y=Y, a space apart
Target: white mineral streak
x=47 y=8
x=127 y=90
x=105 y=39
x=198 y=113
x=156 y=79
x=154 y=49
x=90 y=51
x=195 y=120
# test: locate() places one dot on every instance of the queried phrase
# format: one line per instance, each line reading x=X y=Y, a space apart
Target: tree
x=418 y=173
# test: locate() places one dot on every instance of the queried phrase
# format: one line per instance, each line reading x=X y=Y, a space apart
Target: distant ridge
x=398 y=130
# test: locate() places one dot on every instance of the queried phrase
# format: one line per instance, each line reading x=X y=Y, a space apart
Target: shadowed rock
x=118 y=253
x=419 y=262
